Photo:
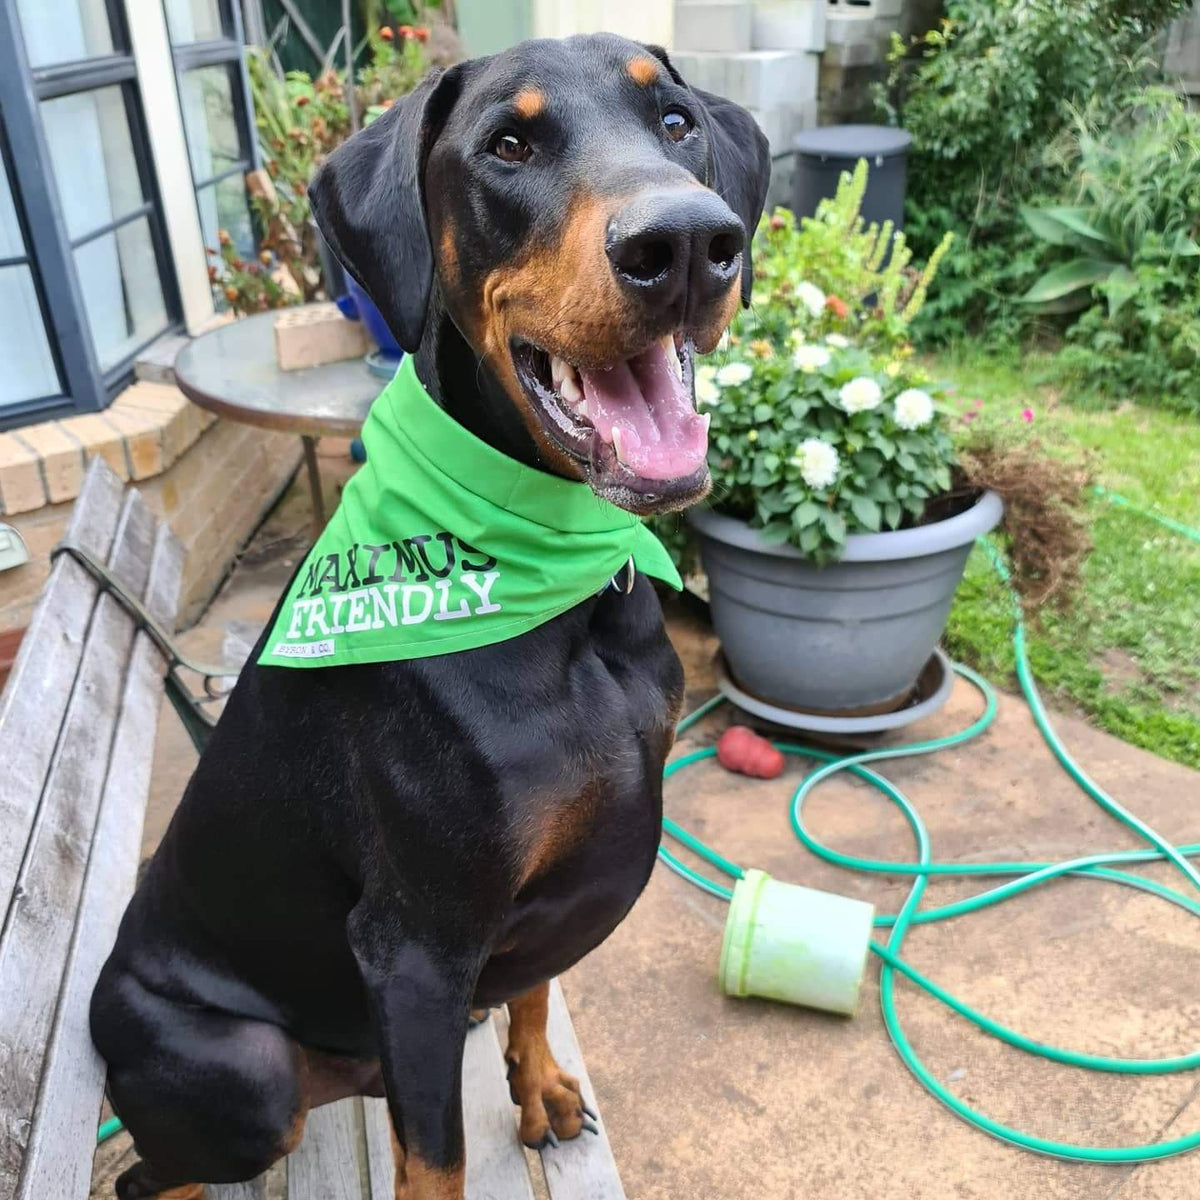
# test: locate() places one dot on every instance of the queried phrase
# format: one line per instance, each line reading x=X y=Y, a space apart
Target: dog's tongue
x=643 y=410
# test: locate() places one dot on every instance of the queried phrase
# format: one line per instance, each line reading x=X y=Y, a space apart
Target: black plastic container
x=823 y=154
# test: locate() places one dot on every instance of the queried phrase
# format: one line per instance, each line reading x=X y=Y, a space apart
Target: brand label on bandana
x=442 y=544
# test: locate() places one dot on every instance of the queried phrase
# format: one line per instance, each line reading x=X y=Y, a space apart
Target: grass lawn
x=1128 y=653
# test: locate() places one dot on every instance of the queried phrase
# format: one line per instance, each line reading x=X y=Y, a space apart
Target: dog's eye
x=677 y=123
x=510 y=148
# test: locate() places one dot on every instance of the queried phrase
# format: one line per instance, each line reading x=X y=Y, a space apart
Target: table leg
x=314 y=484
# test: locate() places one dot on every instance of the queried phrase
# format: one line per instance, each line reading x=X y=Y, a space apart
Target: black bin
x=823 y=154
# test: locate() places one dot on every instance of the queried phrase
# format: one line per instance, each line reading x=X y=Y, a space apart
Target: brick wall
x=213 y=481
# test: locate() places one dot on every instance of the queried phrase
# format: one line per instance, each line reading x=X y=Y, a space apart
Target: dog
x=365 y=854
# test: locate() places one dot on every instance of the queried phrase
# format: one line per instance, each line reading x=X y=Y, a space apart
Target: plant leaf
x=867 y=512
x=805 y=514
x=775 y=533
x=1062 y=281
x=1064 y=227
x=1120 y=287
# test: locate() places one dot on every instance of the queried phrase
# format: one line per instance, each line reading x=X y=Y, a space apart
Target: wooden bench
x=77 y=726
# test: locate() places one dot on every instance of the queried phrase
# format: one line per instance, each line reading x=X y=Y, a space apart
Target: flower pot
x=852 y=636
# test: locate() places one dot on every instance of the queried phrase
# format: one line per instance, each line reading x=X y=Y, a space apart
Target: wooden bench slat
x=40 y=685
x=584 y=1168
x=327 y=1164
x=256 y=1189
x=496 y=1165
x=381 y=1166
x=58 y=1159
x=42 y=915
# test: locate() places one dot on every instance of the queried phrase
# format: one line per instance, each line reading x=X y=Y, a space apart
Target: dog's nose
x=681 y=247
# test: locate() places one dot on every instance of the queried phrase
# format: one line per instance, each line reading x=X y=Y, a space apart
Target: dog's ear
x=739 y=167
x=369 y=202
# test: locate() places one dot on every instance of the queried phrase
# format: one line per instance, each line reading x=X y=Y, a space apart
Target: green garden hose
x=1023 y=876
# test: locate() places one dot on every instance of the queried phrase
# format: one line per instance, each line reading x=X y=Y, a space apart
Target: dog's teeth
x=616 y=441
x=707 y=418
x=572 y=393
x=669 y=349
x=560 y=370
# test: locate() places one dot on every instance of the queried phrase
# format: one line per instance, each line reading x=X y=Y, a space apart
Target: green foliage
x=821 y=273
x=1132 y=231
x=821 y=442
x=300 y=121
x=984 y=95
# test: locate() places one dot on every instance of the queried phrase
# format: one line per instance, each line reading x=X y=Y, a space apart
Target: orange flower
x=299 y=188
x=264 y=257
x=231 y=294
x=387 y=34
x=212 y=274
x=301 y=101
x=421 y=33
x=406 y=31
x=223 y=237
x=837 y=306
x=777 y=222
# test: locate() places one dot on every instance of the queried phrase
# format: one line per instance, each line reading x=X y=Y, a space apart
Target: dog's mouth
x=632 y=423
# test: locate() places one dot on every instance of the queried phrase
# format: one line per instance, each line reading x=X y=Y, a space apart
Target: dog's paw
x=552 y=1106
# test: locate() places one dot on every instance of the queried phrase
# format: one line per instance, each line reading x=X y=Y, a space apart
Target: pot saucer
x=934 y=686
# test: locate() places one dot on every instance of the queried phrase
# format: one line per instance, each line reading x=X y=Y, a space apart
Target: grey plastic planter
x=852 y=636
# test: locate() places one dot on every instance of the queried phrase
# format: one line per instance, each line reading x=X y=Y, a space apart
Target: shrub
x=834 y=273
x=812 y=444
x=1127 y=237
x=983 y=95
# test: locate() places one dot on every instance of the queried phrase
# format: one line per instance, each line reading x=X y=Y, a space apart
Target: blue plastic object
x=356 y=305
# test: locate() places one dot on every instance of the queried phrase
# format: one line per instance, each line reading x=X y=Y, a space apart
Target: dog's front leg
x=552 y=1106
x=419 y=998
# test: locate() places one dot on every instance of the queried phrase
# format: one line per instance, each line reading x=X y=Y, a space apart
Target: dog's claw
x=591 y=1128
x=551 y=1139
x=587 y=1111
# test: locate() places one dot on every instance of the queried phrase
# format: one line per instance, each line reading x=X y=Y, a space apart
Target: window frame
x=226 y=51
x=49 y=247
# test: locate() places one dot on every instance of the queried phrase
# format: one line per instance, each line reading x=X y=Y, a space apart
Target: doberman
x=365 y=853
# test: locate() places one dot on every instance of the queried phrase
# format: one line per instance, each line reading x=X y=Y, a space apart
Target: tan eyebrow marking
x=642 y=70
x=530 y=102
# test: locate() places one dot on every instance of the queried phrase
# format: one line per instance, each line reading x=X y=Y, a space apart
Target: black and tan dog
x=365 y=853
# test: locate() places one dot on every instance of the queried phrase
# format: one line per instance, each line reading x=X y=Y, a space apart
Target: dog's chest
x=583 y=796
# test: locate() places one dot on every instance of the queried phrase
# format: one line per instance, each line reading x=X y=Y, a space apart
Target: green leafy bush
x=984 y=95
x=822 y=440
x=1127 y=240
x=835 y=273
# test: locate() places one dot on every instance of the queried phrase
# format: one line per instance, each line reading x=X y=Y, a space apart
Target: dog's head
x=585 y=216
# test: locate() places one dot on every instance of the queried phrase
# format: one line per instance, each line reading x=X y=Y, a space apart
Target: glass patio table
x=232 y=371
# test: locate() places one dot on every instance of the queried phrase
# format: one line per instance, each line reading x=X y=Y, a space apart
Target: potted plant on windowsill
x=838 y=526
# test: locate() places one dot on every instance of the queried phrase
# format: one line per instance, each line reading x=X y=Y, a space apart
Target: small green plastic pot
x=796 y=944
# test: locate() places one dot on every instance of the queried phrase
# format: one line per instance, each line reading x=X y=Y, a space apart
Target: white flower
x=914 y=408
x=810 y=358
x=837 y=341
x=734 y=373
x=818 y=462
x=811 y=297
x=860 y=395
x=707 y=391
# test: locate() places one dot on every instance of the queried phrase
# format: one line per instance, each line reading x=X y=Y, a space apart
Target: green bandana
x=442 y=544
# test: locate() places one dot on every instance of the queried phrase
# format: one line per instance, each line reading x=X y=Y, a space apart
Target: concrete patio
x=705 y=1096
